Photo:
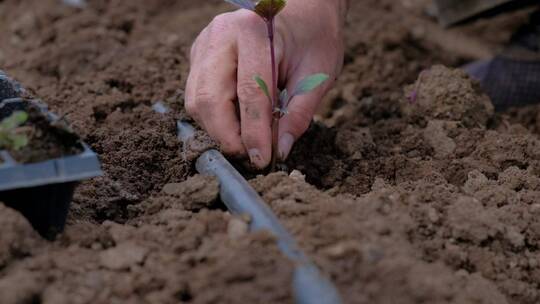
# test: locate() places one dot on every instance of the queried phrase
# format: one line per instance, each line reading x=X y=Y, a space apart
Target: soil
x=430 y=201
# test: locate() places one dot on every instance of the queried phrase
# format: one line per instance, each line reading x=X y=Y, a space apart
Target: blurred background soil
x=431 y=202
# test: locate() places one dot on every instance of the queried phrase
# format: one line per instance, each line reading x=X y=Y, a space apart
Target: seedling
x=280 y=100
x=413 y=96
x=12 y=136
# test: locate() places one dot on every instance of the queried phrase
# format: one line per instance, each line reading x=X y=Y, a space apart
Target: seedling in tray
x=12 y=135
x=41 y=160
x=280 y=100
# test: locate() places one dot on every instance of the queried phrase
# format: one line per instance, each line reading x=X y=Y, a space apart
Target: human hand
x=233 y=48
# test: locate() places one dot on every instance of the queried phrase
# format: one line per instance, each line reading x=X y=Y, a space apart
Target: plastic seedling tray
x=41 y=191
x=8 y=87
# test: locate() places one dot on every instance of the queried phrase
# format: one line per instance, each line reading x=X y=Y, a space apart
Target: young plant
x=413 y=96
x=280 y=100
x=12 y=136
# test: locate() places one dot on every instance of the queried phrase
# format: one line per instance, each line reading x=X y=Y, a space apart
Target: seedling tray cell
x=41 y=191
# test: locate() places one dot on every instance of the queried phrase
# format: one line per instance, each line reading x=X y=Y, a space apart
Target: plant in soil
x=13 y=135
x=413 y=96
x=279 y=99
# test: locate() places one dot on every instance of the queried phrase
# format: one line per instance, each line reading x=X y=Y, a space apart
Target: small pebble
x=433 y=216
x=237 y=228
x=341 y=249
x=123 y=256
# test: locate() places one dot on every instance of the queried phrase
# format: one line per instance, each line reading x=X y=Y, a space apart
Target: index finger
x=211 y=89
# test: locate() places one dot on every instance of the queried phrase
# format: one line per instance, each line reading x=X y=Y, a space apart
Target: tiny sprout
x=280 y=101
x=11 y=137
x=413 y=96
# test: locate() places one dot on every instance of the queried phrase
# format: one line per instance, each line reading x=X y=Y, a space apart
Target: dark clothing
x=513 y=77
x=451 y=12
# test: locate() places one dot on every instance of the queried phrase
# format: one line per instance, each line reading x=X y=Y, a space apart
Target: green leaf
x=14 y=120
x=247 y=4
x=263 y=86
x=19 y=141
x=309 y=84
x=268 y=9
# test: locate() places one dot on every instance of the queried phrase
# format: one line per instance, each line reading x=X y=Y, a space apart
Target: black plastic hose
x=309 y=285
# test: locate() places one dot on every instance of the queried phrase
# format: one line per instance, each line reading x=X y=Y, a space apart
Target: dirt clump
x=448 y=94
x=196 y=193
x=123 y=256
x=436 y=135
x=22 y=287
x=457 y=194
x=363 y=243
x=18 y=239
x=167 y=255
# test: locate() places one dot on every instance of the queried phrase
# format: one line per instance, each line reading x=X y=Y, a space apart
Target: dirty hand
x=234 y=48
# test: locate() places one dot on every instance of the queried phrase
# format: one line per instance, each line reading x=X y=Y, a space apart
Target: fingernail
x=256 y=158
x=286 y=142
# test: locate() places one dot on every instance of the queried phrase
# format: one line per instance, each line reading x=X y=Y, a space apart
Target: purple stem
x=275 y=105
x=270 y=25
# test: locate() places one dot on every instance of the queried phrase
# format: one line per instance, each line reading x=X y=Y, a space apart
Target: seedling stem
x=276 y=113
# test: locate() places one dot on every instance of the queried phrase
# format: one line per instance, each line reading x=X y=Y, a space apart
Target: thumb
x=301 y=109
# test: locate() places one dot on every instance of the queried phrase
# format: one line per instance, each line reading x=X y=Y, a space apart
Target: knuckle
x=203 y=96
x=248 y=19
x=198 y=44
x=221 y=22
x=250 y=24
x=203 y=101
x=249 y=92
x=218 y=20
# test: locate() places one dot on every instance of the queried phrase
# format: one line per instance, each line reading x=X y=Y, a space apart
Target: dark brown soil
x=433 y=201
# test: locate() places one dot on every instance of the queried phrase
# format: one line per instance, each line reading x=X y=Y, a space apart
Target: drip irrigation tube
x=309 y=285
